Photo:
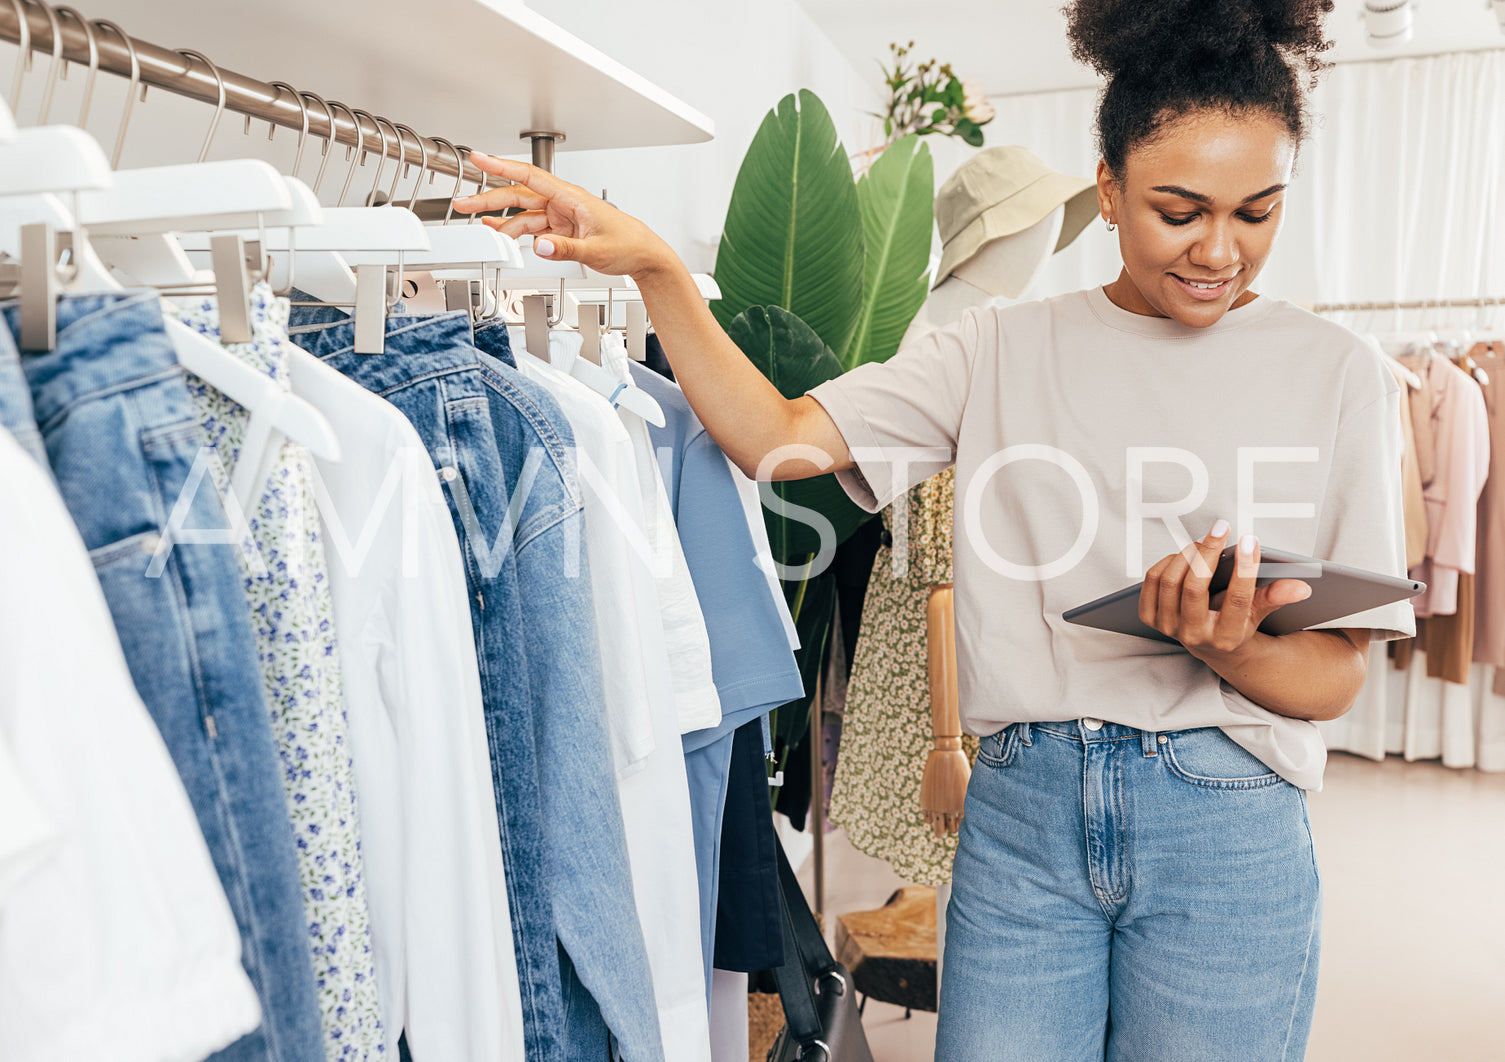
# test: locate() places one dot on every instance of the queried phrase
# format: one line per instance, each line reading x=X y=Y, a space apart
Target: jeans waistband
x=105 y=343
x=1078 y=728
x=443 y=340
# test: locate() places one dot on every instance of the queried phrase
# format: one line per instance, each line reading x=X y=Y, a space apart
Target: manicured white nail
x=1220 y=529
x=544 y=247
x=1246 y=545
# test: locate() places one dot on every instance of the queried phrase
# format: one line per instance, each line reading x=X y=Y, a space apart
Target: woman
x=1135 y=877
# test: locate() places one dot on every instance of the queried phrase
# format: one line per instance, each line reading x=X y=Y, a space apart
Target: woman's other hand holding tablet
x=1175 y=598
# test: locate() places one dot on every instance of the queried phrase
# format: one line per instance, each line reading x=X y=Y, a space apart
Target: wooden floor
x=1413 y=956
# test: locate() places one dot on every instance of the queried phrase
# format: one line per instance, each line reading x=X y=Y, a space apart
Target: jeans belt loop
x=1023 y=729
x=1147 y=742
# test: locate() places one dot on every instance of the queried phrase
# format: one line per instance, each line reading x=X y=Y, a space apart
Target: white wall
x=733 y=62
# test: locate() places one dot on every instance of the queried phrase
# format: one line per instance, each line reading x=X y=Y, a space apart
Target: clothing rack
x=1419 y=304
x=100 y=45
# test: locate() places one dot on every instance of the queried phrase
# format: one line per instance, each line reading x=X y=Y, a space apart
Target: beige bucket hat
x=1001 y=191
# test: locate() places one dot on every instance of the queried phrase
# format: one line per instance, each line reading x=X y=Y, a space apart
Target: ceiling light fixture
x=1388 y=23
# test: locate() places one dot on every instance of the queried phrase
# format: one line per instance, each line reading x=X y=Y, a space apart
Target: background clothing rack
x=1418 y=304
x=175 y=72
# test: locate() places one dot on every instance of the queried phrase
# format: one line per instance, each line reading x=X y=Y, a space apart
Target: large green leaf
x=793 y=235
x=787 y=351
x=895 y=197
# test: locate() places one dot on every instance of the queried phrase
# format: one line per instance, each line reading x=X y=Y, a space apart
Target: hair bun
x=1150 y=39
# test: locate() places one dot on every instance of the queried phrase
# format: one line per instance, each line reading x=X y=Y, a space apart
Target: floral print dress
x=287 y=583
x=886 y=731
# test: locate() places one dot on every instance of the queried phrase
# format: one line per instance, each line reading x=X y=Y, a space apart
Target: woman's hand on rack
x=566 y=222
x=1175 y=599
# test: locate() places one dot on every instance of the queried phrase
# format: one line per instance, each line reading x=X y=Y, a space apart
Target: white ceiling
x=1016 y=46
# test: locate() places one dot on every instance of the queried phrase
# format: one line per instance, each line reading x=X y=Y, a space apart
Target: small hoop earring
x=1111 y=227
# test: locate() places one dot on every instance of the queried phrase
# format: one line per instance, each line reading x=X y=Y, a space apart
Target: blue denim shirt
x=505 y=456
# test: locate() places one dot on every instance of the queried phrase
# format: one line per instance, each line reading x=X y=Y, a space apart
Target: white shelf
x=477 y=72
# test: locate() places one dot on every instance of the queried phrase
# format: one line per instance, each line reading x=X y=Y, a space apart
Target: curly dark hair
x=1164 y=58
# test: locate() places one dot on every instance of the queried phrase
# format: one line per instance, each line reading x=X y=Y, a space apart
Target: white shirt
x=655 y=797
x=684 y=622
x=116 y=941
x=689 y=645
x=440 y=926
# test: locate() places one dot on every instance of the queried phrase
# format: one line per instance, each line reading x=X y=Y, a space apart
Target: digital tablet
x=1337 y=591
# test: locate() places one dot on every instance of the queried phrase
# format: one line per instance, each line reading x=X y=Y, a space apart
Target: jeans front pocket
x=1209 y=758
x=999 y=750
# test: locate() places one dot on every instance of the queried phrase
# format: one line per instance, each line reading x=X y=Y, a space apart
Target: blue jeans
x=503 y=447
x=16 y=414
x=1125 y=895
x=122 y=436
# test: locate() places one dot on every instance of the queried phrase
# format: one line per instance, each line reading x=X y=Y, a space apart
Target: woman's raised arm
x=743 y=412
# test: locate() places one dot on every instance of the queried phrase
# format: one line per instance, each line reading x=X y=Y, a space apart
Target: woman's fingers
x=1149 y=593
x=1233 y=623
x=1203 y=558
x=529 y=223
x=541 y=182
x=513 y=195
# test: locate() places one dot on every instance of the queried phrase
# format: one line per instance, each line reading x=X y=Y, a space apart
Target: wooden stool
x=891 y=951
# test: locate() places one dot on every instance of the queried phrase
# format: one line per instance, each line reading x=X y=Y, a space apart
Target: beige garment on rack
x=1412 y=497
x=1489 y=602
x=1456 y=416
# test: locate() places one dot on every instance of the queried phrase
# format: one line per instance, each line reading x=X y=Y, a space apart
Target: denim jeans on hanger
x=16 y=414
x=123 y=437
x=491 y=338
x=502 y=446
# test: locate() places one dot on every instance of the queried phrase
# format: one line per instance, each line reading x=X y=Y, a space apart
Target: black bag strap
x=814 y=954
x=806 y=957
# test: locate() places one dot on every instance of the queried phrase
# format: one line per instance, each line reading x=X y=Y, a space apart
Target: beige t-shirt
x=1089 y=442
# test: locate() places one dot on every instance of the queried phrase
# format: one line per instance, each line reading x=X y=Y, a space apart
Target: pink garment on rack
x=1460 y=431
x=1489 y=610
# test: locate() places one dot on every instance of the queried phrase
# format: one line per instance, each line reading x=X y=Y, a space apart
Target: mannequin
x=1005 y=267
x=1002 y=268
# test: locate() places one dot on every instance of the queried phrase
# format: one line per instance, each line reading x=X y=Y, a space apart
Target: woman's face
x=1197 y=211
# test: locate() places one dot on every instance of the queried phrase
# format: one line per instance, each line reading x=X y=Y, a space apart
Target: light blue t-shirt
x=751 y=662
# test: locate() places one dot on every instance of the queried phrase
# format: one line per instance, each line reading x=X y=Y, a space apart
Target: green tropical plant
x=818 y=274
x=793 y=234
x=894 y=197
x=787 y=351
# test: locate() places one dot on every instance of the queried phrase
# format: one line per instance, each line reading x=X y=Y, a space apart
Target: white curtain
x=1399 y=196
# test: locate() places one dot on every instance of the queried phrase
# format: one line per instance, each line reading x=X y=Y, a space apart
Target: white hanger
x=620 y=393
x=7 y=123
x=457 y=247
x=52 y=158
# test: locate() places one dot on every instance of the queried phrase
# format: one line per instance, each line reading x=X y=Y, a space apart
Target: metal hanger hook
x=130 y=91
x=324 y=154
x=355 y=155
x=423 y=165
x=83 y=111
x=57 y=59
x=479 y=188
x=303 y=132
x=362 y=154
x=381 y=165
x=219 y=107
x=23 y=58
x=459 y=174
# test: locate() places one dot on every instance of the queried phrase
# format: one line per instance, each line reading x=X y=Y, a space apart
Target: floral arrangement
x=929 y=98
